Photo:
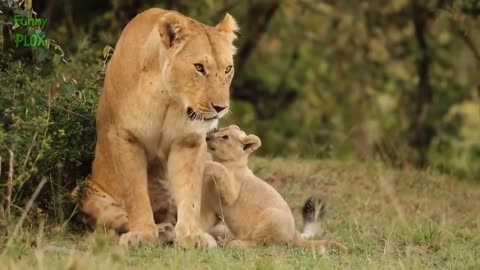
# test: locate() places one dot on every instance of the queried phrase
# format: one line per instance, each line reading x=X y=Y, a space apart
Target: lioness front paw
x=193 y=238
x=135 y=238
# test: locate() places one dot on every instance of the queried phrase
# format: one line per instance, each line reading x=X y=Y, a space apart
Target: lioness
x=254 y=212
x=166 y=86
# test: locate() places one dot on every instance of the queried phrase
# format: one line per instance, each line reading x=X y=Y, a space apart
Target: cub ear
x=251 y=143
x=234 y=126
x=229 y=27
x=172 y=29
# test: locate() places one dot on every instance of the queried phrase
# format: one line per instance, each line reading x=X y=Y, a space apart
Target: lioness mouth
x=196 y=116
x=212 y=131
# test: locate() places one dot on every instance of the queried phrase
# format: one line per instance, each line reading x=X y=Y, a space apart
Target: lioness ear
x=251 y=143
x=228 y=26
x=172 y=29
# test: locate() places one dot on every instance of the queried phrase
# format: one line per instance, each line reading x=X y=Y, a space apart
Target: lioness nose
x=218 y=108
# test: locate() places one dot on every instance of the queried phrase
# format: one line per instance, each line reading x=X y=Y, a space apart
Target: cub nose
x=218 y=108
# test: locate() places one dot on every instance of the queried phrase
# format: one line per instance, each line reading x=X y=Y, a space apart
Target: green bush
x=47 y=116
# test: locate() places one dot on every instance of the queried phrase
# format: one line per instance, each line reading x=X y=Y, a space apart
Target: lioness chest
x=159 y=128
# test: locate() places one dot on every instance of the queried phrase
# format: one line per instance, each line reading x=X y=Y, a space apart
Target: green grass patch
x=389 y=219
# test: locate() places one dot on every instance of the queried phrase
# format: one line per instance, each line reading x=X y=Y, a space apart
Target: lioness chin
x=166 y=86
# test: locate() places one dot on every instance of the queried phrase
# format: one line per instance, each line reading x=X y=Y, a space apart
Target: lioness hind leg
x=98 y=209
x=162 y=201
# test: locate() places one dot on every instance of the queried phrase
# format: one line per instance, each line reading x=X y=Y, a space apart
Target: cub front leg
x=186 y=163
x=225 y=183
x=130 y=168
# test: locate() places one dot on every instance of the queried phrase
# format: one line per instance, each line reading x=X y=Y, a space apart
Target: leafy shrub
x=47 y=116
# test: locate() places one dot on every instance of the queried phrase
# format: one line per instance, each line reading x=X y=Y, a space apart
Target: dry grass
x=389 y=219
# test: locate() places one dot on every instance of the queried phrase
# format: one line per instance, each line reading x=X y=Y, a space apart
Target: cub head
x=199 y=68
x=231 y=144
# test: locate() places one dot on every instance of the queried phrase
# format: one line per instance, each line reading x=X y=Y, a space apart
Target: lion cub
x=254 y=212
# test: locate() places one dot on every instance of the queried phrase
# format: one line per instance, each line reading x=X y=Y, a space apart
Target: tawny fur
x=254 y=212
x=155 y=103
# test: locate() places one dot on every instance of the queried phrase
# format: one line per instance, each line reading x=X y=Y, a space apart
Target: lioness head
x=231 y=144
x=199 y=66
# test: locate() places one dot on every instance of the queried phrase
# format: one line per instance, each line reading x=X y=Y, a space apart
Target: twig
x=40 y=152
x=8 y=195
x=29 y=151
x=40 y=232
x=24 y=215
x=2 y=209
x=389 y=191
x=66 y=110
x=470 y=44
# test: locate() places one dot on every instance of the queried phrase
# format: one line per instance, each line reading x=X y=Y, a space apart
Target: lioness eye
x=199 y=68
x=225 y=137
x=228 y=69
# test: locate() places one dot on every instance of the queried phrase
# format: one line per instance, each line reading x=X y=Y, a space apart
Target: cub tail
x=300 y=242
x=313 y=212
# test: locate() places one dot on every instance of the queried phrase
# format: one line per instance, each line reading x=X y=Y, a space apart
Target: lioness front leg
x=186 y=163
x=131 y=171
x=225 y=183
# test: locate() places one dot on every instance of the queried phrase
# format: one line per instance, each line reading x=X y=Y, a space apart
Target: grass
x=389 y=219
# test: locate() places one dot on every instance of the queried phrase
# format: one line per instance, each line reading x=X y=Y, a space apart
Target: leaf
x=107 y=50
x=28 y=4
x=56 y=60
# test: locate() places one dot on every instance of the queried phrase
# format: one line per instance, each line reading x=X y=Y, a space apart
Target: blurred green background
x=391 y=81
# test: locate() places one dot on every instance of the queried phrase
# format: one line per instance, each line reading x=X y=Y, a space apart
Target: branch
x=67 y=8
x=469 y=42
x=421 y=135
x=230 y=5
x=259 y=17
x=48 y=11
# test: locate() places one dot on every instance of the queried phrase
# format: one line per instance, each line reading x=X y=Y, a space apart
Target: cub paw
x=209 y=241
x=193 y=238
x=135 y=238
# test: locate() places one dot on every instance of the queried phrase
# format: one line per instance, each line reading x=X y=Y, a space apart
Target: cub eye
x=228 y=69
x=199 y=68
x=225 y=137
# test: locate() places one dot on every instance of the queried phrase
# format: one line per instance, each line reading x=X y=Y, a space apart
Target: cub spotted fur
x=254 y=212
